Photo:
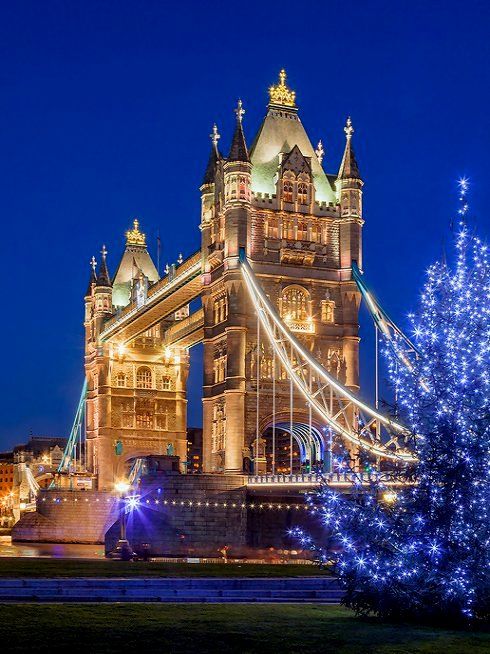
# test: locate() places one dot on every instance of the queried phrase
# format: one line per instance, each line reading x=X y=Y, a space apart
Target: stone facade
x=300 y=237
x=136 y=388
x=68 y=517
x=300 y=229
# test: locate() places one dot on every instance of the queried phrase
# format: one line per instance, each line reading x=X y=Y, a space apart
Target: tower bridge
x=279 y=283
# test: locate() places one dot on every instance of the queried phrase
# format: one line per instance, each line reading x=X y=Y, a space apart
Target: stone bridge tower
x=301 y=230
x=136 y=388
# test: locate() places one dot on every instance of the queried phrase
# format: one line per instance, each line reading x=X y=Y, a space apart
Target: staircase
x=324 y=590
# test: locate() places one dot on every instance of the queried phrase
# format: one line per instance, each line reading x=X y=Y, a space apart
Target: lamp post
x=123 y=549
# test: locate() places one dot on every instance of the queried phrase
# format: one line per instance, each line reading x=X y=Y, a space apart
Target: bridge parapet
x=340 y=479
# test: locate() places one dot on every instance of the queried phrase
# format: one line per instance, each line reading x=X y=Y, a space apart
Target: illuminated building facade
x=300 y=229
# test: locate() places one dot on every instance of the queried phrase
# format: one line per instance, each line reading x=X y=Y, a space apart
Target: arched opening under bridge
x=311 y=449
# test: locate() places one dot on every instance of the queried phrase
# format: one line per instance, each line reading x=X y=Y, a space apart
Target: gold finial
x=93 y=263
x=134 y=236
x=280 y=94
x=348 y=129
x=320 y=152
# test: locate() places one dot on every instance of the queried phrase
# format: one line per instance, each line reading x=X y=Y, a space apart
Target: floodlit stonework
x=300 y=228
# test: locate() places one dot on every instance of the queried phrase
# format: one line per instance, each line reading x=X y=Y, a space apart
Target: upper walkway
x=172 y=292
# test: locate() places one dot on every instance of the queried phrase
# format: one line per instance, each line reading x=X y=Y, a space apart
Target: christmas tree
x=421 y=550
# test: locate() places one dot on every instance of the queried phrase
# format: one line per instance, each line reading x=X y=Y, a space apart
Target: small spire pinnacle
x=214 y=157
x=93 y=277
x=238 y=150
x=215 y=137
x=349 y=168
x=103 y=278
x=319 y=151
x=134 y=236
x=239 y=111
x=167 y=268
x=180 y=258
x=348 y=129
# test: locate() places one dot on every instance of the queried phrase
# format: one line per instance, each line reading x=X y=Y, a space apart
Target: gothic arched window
x=121 y=380
x=143 y=377
x=144 y=420
x=302 y=193
x=272 y=228
x=220 y=309
x=287 y=191
x=166 y=383
x=295 y=300
x=302 y=230
x=288 y=228
x=242 y=190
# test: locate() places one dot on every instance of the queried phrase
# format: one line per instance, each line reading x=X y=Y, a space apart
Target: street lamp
x=123 y=549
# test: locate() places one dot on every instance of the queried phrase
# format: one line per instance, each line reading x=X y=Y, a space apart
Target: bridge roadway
x=172 y=292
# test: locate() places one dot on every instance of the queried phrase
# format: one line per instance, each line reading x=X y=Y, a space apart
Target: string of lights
x=134 y=501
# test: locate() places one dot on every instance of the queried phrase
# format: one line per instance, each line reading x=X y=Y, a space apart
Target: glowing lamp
x=390 y=497
x=122 y=486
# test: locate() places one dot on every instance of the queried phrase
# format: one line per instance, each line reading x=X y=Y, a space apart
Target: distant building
x=194 y=450
x=6 y=484
x=25 y=469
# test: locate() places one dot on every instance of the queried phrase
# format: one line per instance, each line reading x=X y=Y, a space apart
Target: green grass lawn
x=27 y=567
x=219 y=628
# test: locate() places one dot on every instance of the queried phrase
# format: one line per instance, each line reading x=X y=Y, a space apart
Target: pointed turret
x=238 y=150
x=349 y=192
x=214 y=157
x=103 y=278
x=93 y=277
x=135 y=258
x=237 y=176
x=349 y=168
x=102 y=294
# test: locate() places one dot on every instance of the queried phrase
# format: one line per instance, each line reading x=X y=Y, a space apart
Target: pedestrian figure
x=224 y=553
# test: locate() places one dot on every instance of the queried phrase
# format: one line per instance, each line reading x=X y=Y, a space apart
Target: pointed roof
x=280 y=131
x=136 y=258
x=349 y=168
x=238 y=150
x=103 y=278
x=214 y=157
x=93 y=277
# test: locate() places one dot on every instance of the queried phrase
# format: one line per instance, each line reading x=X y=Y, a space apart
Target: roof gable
x=296 y=162
x=280 y=131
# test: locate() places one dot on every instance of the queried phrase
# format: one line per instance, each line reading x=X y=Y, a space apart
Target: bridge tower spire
x=102 y=294
x=224 y=299
x=208 y=187
x=349 y=193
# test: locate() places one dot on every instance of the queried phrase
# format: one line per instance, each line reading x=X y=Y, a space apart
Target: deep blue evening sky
x=105 y=113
